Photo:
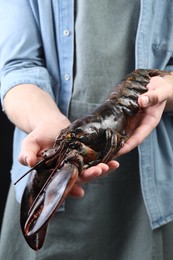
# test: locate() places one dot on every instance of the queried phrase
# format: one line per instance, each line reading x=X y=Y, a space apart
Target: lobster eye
x=70 y=135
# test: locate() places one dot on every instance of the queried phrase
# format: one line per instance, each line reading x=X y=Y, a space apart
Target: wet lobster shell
x=94 y=138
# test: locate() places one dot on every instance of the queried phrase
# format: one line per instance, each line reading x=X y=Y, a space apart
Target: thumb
x=152 y=98
x=28 y=158
x=28 y=153
x=159 y=91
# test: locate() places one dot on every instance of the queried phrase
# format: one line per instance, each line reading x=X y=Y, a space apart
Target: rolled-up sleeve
x=21 y=50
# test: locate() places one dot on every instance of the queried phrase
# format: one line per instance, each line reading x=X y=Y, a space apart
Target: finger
x=113 y=165
x=159 y=90
x=91 y=174
x=126 y=148
x=137 y=137
x=28 y=158
x=99 y=170
x=77 y=191
x=152 y=98
x=28 y=153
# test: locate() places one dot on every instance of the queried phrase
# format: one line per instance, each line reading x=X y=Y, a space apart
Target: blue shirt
x=38 y=48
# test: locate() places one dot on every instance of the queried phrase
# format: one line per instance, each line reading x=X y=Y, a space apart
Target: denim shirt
x=38 y=48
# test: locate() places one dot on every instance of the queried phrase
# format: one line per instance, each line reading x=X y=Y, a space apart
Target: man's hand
x=158 y=99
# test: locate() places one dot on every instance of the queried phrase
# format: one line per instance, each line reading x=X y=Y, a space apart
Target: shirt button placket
x=66 y=33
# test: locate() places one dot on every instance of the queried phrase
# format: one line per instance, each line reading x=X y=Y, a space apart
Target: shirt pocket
x=163 y=26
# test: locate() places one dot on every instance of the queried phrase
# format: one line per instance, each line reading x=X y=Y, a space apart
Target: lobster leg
x=114 y=143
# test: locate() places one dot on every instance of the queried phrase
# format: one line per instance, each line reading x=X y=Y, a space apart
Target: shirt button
x=67 y=77
x=66 y=32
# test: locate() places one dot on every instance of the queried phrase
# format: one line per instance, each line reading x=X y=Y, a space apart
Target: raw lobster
x=86 y=142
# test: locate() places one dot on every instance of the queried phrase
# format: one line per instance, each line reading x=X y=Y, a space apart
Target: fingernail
x=145 y=101
x=26 y=160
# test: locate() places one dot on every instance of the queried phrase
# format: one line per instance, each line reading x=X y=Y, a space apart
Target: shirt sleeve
x=21 y=49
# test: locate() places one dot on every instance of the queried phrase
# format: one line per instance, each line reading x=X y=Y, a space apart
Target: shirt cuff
x=38 y=76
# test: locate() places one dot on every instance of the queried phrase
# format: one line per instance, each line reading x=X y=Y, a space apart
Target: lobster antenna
x=22 y=176
x=28 y=171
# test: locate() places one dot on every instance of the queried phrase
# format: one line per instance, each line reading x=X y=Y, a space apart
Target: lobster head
x=51 y=180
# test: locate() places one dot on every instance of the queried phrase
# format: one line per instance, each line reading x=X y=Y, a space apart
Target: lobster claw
x=35 y=216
